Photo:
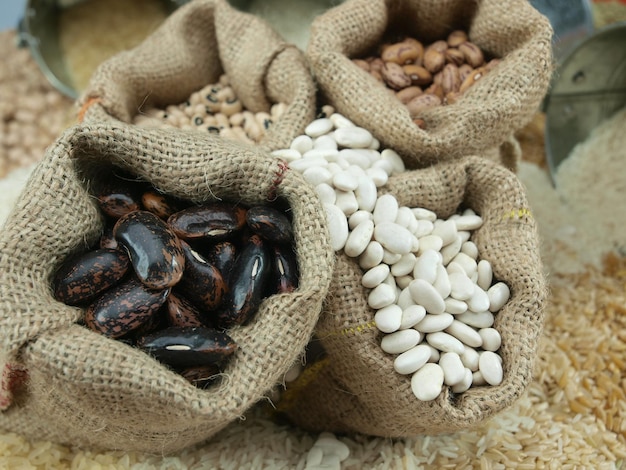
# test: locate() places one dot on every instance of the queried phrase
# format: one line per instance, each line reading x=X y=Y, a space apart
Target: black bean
x=82 y=278
x=188 y=347
x=269 y=223
x=124 y=308
x=155 y=251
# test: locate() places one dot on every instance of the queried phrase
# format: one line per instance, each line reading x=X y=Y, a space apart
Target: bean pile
x=425 y=76
x=170 y=277
x=434 y=299
x=215 y=109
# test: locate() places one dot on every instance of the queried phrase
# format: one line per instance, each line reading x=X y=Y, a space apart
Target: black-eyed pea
x=225 y=94
x=236 y=120
x=264 y=120
x=231 y=106
x=241 y=136
x=222 y=120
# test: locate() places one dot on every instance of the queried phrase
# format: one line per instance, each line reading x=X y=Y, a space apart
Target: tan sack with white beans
x=350 y=384
x=484 y=118
x=194 y=46
x=63 y=382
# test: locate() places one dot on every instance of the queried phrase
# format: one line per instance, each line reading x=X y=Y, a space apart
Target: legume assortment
x=434 y=298
x=171 y=277
x=423 y=76
x=216 y=109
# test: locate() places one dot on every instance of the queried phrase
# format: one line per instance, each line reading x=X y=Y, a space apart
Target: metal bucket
x=589 y=87
x=38 y=30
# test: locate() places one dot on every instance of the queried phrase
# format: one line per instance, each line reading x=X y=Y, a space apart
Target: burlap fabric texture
x=354 y=387
x=63 y=382
x=193 y=47
x=488 y=113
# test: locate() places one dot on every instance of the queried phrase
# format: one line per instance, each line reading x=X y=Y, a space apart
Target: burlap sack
x=191 y=49
x=487 y=115
x=354 y=387
x=63 y=382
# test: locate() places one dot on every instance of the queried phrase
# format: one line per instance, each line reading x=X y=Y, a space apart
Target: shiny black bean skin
x=80 y=279
x=181 y=312
x=269 y=223
x=202 y=283
x=222 y=255
x=124 y=308
x=217 y=221
x=155 y=251
x=248 y=283
x=285 y=268
x=188 y=347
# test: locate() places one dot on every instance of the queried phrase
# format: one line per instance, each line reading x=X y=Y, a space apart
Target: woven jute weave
x=193 y=47
x=353 y=387
x=488 y=113
x=65 y=383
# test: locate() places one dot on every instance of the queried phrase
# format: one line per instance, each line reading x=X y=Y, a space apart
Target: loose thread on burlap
x=85 y=107
x=279 y=176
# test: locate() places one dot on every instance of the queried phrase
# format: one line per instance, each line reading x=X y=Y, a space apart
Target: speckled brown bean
x=216 y=221
x=181 y=312
x=418 y=75
x=201 y=283
x=155 y=251
x=285 y=268
x=269 y=223
x=82 y=278
x=422 y=103
x=188 y=347
x=159 y=204
x=124 y=308
x=401 y=53
x=248 y=283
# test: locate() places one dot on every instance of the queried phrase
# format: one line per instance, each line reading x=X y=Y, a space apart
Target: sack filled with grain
x=66 y=381
x=437 y=339
x=434 y=80
x=208 y=67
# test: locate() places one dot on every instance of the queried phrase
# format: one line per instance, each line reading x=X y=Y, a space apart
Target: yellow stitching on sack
x=351 y=330
x=290 y=395
x=518 y=214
